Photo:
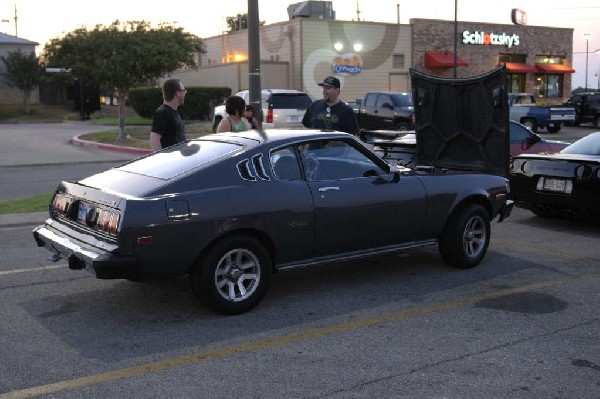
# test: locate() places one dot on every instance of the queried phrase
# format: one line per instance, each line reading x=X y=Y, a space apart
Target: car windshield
x=403 y=100
x=290 y=101
x=588 y=145
x=179 y=159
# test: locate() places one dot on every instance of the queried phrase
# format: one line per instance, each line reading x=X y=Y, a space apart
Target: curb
x=23 y=219
x=108 y=147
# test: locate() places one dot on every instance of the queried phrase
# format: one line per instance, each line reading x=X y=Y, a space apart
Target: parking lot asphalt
x=39 y=144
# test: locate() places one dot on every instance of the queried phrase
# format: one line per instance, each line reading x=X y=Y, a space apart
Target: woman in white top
x=235 y=122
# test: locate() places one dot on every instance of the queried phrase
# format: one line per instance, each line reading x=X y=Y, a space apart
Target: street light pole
x=587 y=42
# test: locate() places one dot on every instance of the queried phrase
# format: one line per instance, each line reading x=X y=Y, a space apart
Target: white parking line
x=33 y=269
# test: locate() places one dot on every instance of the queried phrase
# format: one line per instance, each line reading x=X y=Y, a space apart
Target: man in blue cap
x=331 y=113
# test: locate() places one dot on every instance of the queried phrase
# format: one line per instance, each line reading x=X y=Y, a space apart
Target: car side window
x=284 y=163
x=335 y=160
x=370 y=101
x=383 y=100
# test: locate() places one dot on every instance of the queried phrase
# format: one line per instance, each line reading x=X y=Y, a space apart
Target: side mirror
x=394 y=170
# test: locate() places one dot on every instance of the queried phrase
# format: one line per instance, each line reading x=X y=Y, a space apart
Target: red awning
x=554 y=68
x=442 y=59
x=516 y=67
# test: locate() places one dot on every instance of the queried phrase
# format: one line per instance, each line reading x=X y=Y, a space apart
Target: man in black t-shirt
x=331 y=113
x=167 y=126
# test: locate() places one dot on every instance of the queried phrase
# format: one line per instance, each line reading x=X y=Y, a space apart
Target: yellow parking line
x=200 y=357
x=545 y=250
x=33 y=269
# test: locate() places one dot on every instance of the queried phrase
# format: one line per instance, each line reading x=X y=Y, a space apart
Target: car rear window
x=180 y=158
x=290 y=101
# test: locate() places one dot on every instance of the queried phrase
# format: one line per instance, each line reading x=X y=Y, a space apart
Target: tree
x=239 y=22
x=123 y=55
x=23 y=73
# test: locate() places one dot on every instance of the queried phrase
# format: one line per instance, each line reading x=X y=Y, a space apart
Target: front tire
x=553 y=128
x=233 y=275
x=466 y=237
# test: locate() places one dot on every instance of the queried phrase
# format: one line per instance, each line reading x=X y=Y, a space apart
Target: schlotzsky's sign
x=490 y=39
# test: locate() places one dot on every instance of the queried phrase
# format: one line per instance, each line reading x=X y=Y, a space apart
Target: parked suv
x=385 y=110
x=587 y=108
x=282 y=108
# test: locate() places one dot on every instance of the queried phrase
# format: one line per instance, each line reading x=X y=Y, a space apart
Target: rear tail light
x=60 y=203
x=107 y=221
x=104 y=220
x=269 y=118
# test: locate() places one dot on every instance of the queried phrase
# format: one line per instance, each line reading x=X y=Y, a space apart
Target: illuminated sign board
x=518 y=17
x=490 y=39
x=347 y=64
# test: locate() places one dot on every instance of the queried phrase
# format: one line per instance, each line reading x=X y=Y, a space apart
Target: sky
x=40 y=20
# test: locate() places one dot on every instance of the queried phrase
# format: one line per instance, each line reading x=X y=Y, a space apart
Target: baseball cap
x=331 y=81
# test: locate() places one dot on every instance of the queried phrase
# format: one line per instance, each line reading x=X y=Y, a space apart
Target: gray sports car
x=230 y=209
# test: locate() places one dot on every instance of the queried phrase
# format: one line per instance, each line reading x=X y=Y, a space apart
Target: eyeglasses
x=328 y=112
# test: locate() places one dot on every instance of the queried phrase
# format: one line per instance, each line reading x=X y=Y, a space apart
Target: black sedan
x=562 y=184
x=231 y=209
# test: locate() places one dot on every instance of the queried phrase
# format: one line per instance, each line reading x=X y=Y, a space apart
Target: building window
x=398 y=61
x=548 y=59
x=520 y=58
x=516 y=82
x=548 y=86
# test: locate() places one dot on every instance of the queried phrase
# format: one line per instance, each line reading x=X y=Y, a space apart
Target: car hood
x=561 y=157
x=462 y=123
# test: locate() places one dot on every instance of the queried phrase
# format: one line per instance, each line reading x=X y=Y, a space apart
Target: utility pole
x=357 y=12
x=15 y=18
x=254 y=59
x=16 y=32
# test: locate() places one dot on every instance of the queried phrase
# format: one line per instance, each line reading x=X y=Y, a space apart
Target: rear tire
x=233 y=275
x=466 y=236
x=402 y=126
x=531 y=124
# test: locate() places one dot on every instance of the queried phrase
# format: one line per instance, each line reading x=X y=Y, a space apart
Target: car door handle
x=330 y=188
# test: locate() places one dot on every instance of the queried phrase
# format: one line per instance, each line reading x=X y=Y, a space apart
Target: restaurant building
x=366 y=56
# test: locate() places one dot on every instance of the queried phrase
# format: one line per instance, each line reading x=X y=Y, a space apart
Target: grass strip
x=36 y=203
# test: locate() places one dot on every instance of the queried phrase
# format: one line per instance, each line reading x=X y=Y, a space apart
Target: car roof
x=275 y=136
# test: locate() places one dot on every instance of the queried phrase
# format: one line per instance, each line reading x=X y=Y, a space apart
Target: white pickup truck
x=523 y=109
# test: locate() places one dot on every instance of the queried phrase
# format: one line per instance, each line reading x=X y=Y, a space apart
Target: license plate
x=83 y=212
x=554 y=185
x=294 y=118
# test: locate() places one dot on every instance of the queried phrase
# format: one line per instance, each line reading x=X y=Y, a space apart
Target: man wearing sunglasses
x=331 y=113
x=167 y=126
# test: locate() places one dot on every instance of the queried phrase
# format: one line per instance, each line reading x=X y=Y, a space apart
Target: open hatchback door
x=462 y=123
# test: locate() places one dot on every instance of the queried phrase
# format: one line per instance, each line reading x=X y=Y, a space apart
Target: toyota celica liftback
x=230 y=209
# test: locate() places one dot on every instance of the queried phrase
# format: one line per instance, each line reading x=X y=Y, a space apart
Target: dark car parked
x=562 y=184
x=401 y=147
x=524 y=141
x=587 y=107
x=230 y=209
x=386 y=110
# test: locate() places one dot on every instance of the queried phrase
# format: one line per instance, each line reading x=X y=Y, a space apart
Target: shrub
x=199 y=101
